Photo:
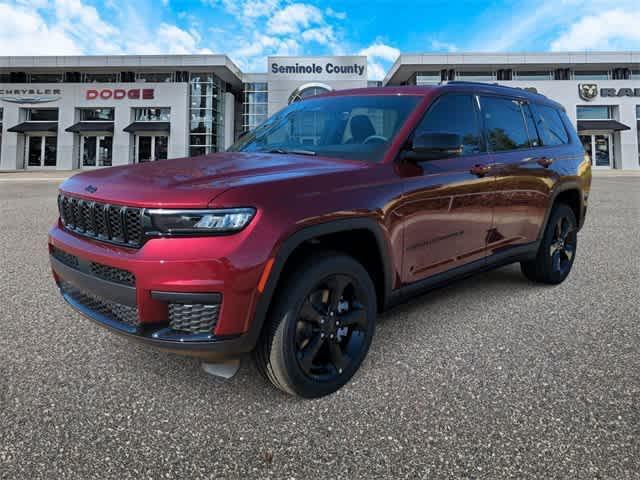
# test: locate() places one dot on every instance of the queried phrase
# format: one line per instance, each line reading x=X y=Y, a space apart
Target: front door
x=599 y=146
x=151 y=147
x=447 y=209
x=41 y=151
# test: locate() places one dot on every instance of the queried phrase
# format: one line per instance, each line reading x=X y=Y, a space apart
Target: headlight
x=200 y=221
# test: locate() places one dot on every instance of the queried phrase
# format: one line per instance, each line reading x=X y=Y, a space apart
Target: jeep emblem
x=588 y=91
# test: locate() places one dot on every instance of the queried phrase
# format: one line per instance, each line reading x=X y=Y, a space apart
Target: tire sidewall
x=555 y=277
x=283 y=353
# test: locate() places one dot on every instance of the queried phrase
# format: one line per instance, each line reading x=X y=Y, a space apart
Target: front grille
x=111 y=223
x=113 y=274
x=68 y=259
x=196 y=318
x=112 y=310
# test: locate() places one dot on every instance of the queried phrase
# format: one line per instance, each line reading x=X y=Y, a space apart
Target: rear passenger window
x=505 y=123
x=550 y=126
x=456 y=114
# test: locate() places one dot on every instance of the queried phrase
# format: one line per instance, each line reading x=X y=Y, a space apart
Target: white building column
x=10 y=157
x=229 y=119
x=629 y=138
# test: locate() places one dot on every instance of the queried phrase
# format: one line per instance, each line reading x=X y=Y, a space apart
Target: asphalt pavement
x=493 y=377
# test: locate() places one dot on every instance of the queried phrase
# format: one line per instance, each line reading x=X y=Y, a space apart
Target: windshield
x=349 y=127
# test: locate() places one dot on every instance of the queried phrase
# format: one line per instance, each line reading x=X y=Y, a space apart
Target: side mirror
x=431 y=146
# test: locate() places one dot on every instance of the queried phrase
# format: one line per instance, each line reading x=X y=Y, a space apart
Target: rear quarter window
x=550 y=126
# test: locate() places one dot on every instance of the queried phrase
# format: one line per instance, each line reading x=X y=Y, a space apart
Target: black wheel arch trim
x=289 y=245
x=561 y=188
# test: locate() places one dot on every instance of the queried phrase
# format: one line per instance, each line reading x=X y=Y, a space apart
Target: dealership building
x=87 y=112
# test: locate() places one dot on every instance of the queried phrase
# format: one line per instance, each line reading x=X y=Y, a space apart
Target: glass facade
x=42 y=114
x=533 y=75
x=97 y=114
x=476 y=76
x=157 y=77
x=46 y=77
x=101 y=77
x=152 y=114
x=307 y=91
x=591 y=74
x=206 y=113
x=254 y=105
x=595 y=112
x=428 y=78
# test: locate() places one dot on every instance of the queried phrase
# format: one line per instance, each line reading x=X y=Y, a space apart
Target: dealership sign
x=318 y=69
x=120 y=94
x=589 y=91
x=30 y=95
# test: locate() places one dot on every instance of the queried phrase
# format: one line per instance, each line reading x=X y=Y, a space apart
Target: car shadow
x=187 y=373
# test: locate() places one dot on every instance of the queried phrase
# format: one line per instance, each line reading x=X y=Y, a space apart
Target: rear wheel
x=320 y=328
x=557 y=250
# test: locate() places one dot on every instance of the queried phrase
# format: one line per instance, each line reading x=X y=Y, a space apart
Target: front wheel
x=320 y=328
x=557 y=249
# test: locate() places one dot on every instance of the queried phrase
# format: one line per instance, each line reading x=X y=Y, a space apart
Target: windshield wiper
x=294 y=152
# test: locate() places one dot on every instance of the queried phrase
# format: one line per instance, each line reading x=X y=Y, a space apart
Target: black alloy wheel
x=331 y=328
x=563 y=246
x=320 y=328
x=557 y=250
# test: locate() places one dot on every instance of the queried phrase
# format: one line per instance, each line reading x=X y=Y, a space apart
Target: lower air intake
x=195 y=318
x=112 y=310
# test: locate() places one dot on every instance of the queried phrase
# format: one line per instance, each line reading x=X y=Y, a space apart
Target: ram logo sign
x=588 y=91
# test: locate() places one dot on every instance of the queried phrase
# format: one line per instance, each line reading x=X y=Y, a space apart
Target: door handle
x=480 y=169
x=545 y=162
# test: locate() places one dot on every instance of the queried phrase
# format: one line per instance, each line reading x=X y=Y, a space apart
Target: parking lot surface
x=492 y=377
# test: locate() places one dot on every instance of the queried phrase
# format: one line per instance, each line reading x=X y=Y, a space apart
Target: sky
x=250 y=30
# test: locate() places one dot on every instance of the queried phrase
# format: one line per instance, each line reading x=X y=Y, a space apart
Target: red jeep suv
x=336 y=208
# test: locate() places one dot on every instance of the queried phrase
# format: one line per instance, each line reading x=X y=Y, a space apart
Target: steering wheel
x=375 y=138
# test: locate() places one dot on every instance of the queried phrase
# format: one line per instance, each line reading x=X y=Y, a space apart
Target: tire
x=315 y=337
x=557 y=250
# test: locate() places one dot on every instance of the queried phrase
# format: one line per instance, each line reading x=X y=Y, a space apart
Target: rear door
x=518 y=163
x=446 y=210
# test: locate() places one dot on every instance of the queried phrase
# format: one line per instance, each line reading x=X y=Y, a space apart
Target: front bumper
x=165 y=274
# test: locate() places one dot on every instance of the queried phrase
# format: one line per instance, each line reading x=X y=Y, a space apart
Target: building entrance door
x=151 y=147
x=599 y=146
x=96 y=151
x=41 y=151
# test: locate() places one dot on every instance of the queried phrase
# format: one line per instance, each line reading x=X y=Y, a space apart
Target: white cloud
x=321 y=35
x=334 y=14
x=293 y=18
x=71 y=27
x=381 y=50
x=443 y=46
x=379 y=58
x=73 y=14
x=614 y=29
x=25 y=32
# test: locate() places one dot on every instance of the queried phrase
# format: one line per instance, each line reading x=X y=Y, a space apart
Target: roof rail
x=495 y=84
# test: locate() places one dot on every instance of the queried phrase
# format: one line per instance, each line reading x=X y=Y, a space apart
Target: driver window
x=456 y=114
x=364 y=123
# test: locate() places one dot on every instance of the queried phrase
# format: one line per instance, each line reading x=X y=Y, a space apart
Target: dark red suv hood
x=194 y=182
